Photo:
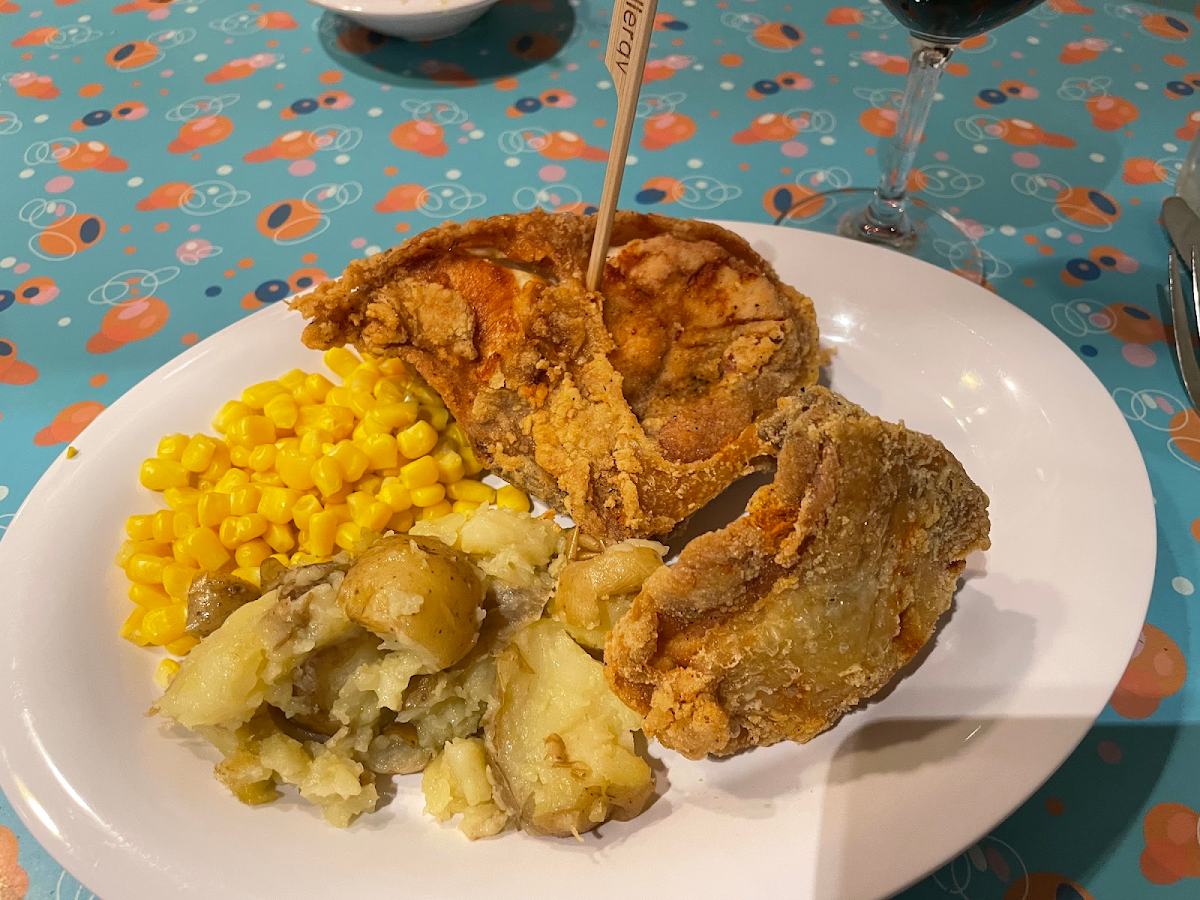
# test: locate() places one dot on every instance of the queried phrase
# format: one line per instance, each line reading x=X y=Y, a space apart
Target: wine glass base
x=933 y=235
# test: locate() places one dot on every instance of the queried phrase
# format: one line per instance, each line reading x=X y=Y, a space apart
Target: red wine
x=955 y=20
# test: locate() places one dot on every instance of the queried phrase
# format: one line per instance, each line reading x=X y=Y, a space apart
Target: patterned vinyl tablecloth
x=169 y=167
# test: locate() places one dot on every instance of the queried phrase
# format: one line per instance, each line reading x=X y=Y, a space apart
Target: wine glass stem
x=886 y=210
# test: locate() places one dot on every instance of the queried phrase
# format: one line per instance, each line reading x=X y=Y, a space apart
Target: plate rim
x=73 y=859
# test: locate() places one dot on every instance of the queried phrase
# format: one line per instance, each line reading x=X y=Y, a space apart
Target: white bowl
x=412 y=20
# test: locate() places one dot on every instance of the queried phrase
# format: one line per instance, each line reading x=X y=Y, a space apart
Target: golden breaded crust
x=775 y=626
x=495 y=316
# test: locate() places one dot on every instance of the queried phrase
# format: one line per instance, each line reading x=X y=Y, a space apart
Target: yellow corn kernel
x=395 y=495
x=322 y=530
x=464 y=507
x=303 y=397
x=362 y=402
x=368 y=512
x=140 y=528
x=163 y=526
x=287 y=444
x=220 y=464
x=303 y=510
x=472 y=491
x=231 y=412
x=280 y=538
x=183 y=646
x=250 y=431
x=390 y=390
x=438 y=510
x=228 y=533
x=250 y=526
x=266 y=479
x=454 y=432
x=132 y=629
x=129 y=549
x=369 y=483
x=339 y=397
x=149 y=596
x=282 y=410
x=258 y=395
x=401 y=521
x=231 y=481
x=340 y=510
x=164 y=624
x=213 y=508
x=239 y=456
x=513 y=498
x=365 y=429
x=146 y=569
x=351 y=460
x=180 y=552
x=166 y=671
x=292 y=379
x=184 y=522
x=177 y=579
x=437 y=416
x=160 y=474
x=342 y=361
x=327 y=476
x=171 y=447
x=381 y=450
x=395 y=367
x=318 y=386
x=262 y=458
x=251 y=554
x=198 y=454
x=181 y=497
x=206 y=548
x=312 y=441
x=363 y=379
x=276 y=504
x=424 y=394
x=248 y=573
x=349 y=536
x=244 y=499
x=450 y=465
x=419 y=473
x=429 y=495
x=471 y=463
x=394 y=415
x=295 y=469
x=417 y=439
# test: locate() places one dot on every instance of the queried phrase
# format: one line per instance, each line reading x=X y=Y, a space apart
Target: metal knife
x=1183 y=225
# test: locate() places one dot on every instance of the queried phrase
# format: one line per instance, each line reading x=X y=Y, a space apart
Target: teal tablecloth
x=169 y=166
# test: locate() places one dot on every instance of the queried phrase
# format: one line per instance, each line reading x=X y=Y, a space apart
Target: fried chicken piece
x=772 y=628
x=494 y=314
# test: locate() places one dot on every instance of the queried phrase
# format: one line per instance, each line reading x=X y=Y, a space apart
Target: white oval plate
x=1039 y=637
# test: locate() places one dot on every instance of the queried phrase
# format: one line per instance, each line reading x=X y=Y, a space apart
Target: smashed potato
x=593 y=593
x=457 y=782
x=419 y=595
x=558 y=740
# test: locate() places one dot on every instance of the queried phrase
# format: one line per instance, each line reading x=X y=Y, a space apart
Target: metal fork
x=1184 y=333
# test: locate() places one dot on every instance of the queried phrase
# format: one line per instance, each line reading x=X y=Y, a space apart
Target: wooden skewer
x=628 y=41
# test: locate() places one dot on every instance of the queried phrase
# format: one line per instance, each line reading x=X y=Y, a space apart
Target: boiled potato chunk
x=251 y=657
x=417 y=594
x=559 y=741
x=593 y=593
x=457 y=782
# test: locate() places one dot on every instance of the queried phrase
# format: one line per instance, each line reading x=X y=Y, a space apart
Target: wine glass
x=891 y=217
